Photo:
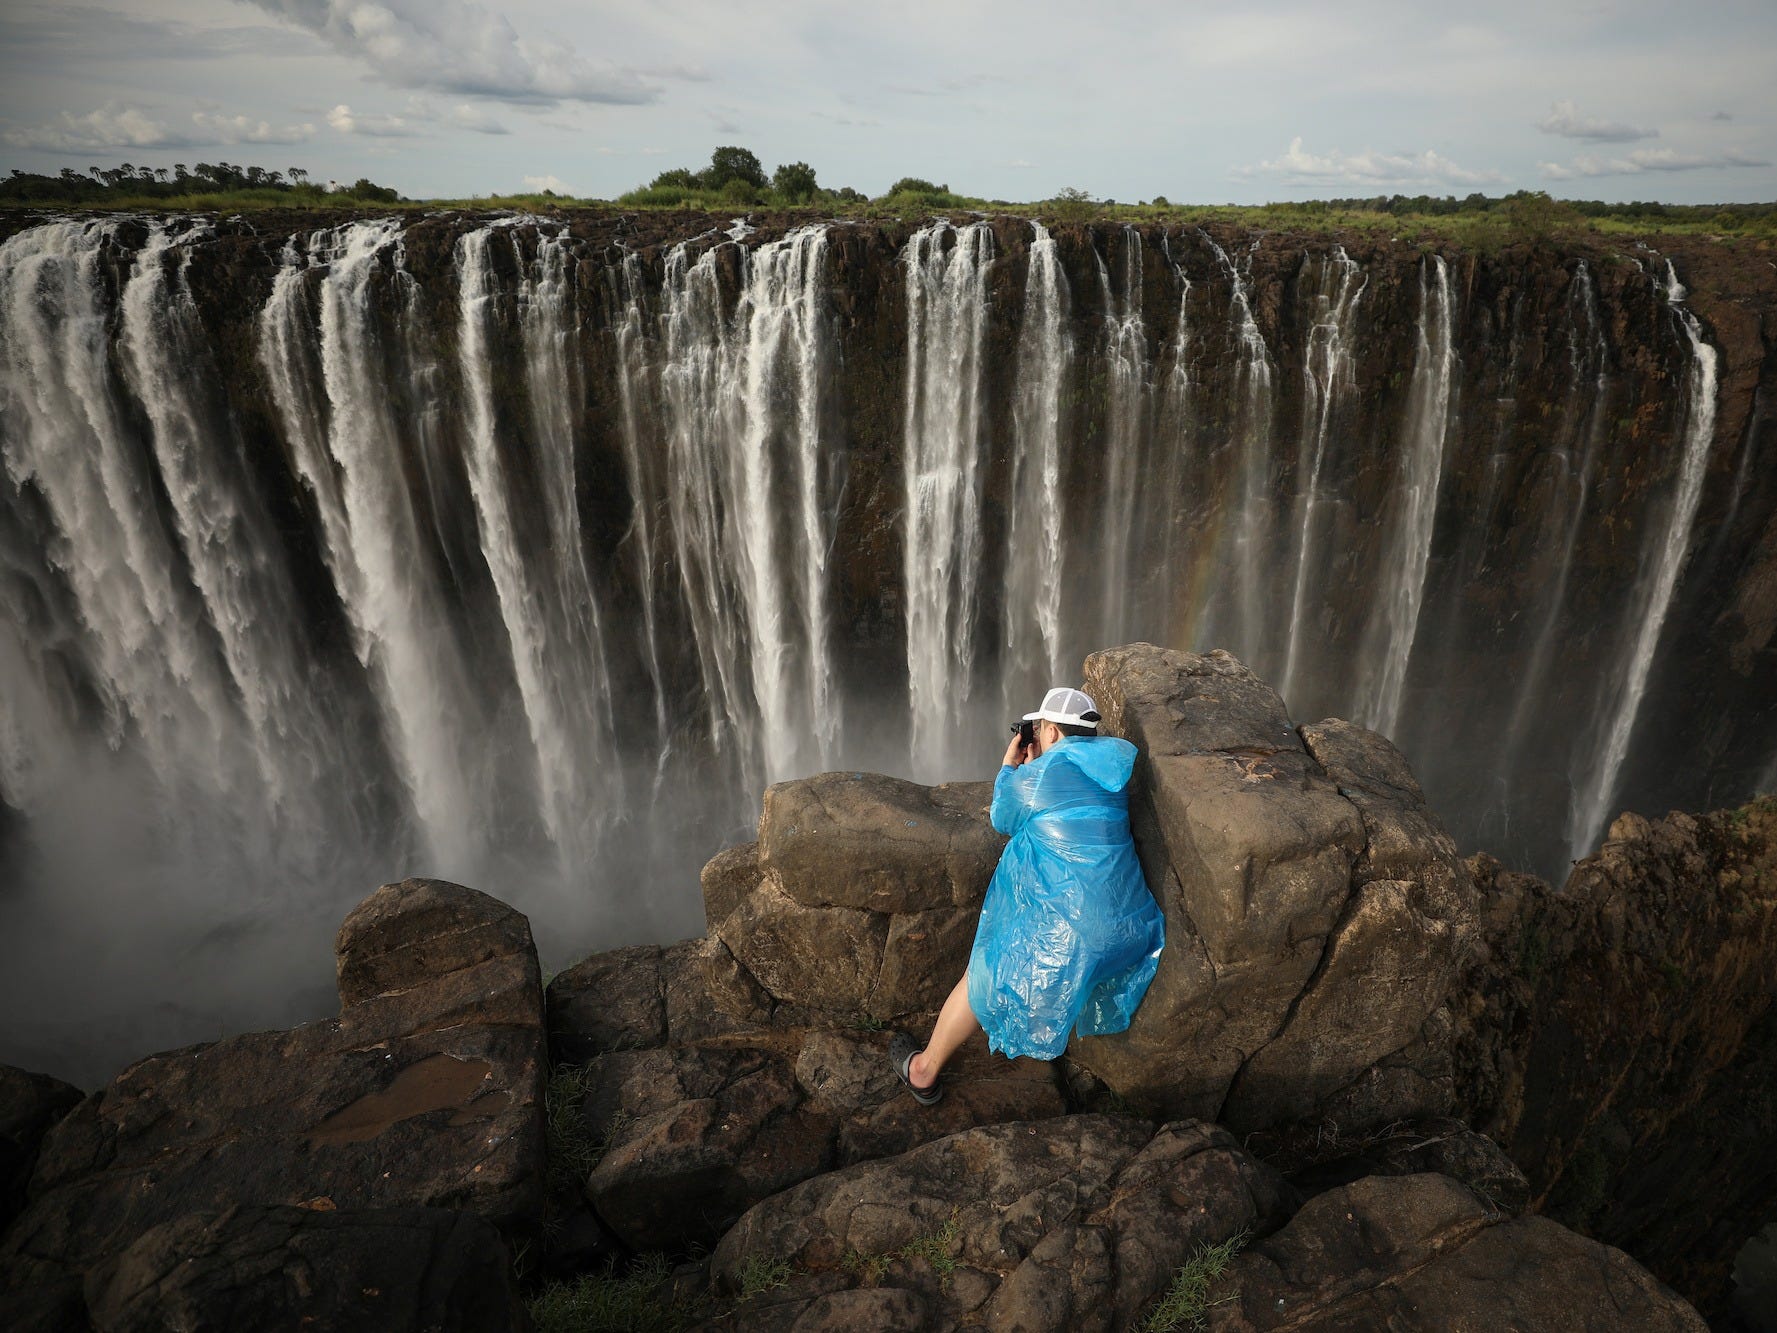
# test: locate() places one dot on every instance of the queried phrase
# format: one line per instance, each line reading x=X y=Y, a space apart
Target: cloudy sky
x=1623 y=99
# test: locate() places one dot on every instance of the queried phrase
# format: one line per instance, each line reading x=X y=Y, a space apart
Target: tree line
x=102 y=184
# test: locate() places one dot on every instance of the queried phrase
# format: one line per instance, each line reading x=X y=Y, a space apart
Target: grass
x=759 y=1275
x=607 y=1303
x=932 y=1248
x=572 y=1152
x=1186 y=1302
x=1485 y=227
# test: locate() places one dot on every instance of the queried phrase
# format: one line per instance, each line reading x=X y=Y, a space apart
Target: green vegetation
x=759 y=1275
x=736 y=181
x=607 y=1303
x=1187 y=1301
x=572 y=1152
x=932 y=1249
x=208 y=185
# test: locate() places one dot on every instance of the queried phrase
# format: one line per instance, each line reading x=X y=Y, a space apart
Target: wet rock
x=878 y=843
x=612 y=1001
x=709 y=994
x=1422 y=1252
x=1618 y=1037
x=693 y=1138
x=826 y=958
x=1295 y=870
x=1063 y=1224
x=424 y=1092
x=30 y=1106
x=403 y=1270
x=847 y=1075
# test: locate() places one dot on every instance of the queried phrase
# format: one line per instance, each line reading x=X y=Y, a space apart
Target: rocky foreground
x=1373 y=1078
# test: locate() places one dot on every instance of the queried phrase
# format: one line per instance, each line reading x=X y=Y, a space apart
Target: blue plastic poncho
x=1069 y=935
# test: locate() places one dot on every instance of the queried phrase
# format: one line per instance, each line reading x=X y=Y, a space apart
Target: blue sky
x=1198 y=102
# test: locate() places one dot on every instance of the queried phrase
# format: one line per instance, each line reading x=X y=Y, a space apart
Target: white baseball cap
x=1066 y=707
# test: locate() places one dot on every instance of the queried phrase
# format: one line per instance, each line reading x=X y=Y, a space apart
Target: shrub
x=733 y=164
x=794 y=182
x=1186 y=1301
x=606 y=1303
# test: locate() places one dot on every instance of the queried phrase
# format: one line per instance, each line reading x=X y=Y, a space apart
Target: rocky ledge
x=1368 y=1086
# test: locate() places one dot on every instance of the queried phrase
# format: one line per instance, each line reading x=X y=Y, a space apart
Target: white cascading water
x=1128 y=410
x=1242 y=621
x=1416 y=501
x=1589 y=359
x=346 y=447
x=1596 y=787
x=547 y=603
x=66 y=435
x=946 y=270
x=748 y=497
x=1326 y=374
x=1033 y=601
x=427 y=679
x=634 y=392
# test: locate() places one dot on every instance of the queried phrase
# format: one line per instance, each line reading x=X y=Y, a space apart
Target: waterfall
x=1416 y=504
x=749 y=497
x=527 y=553
x=1033 y=605
x=1128 y=393
x=547 y=603
x=1589 y=359
x=1243 y=621
x=1594 y=794
x=143 y=643
x=946 y=270
x=346 y=446
x=634 y=392
x=1326 y=372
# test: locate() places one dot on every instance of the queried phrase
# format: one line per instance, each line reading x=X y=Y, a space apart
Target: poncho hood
x=1109 y=761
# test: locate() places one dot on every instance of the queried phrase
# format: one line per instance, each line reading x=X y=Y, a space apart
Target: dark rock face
x=1071 y=1223
x=381 y=1270
x=862 y=894
x=1618 y=1036
x=1421 y=1252
x=30 y=1106
x=424 y=1092
x=1315 y=907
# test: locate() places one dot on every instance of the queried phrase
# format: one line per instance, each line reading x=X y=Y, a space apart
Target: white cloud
x=219 y=129
x=114 y=126
x=547 y=183
x=110 y=126
x=347 y=121
x=1644 y=160
x=460 y=46
x=1564 y=119
x=1367 y=168
x=420 y=116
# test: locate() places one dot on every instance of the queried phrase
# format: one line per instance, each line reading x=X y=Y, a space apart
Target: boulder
x=426 y=1091
x=693 y=1137
x=861 y=895
x=380 y=1270
x=1422 y=1252
x=1617 y=1035
x=612 y=1001
x=846 y=1075
x=878 y=843
x=1070 y=1223
x=1294 y=870
x=30 y=1106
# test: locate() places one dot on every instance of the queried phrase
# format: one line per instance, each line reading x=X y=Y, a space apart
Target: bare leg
x=956 y=1024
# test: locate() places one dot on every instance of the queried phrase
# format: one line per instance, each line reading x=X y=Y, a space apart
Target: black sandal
x=902 y=1049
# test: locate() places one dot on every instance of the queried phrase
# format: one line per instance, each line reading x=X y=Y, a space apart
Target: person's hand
x=1014 y=752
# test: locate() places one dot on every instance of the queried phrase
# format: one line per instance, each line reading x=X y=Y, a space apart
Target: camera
x=1027 y=733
